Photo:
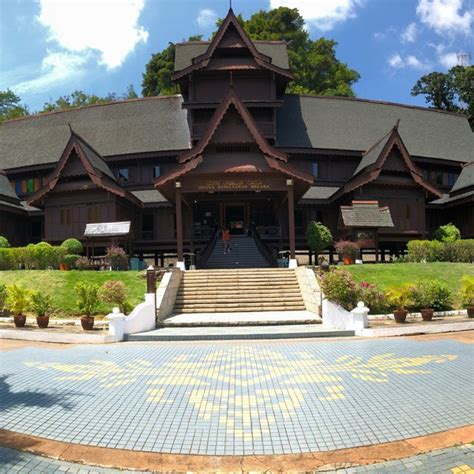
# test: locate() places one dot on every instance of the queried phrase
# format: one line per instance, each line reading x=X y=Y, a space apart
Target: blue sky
x=51 y=47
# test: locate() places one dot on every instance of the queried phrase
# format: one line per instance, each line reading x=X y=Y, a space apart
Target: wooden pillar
x=179 y=222
x=291 y=218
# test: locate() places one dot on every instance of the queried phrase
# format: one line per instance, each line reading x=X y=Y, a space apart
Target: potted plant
x=422 y=297
x=42 y=306
x=399 y=299
x=466 y=292
x=348 y=250
x=87 y=302
x=18 y=300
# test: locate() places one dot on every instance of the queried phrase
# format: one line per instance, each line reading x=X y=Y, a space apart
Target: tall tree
x=313 y=63
x=79 y=98
x=158 y=71
x=452 y=91
x=10 y=106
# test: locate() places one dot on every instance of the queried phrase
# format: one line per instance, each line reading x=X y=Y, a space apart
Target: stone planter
x=470 y=311
x=87 y=322
x=426 y=314
x=400 y=315
x=42 y=321
x=19 y=320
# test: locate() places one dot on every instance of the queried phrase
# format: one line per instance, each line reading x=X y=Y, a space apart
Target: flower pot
x=400 y=315
x=19 y=320
x=347 y=261
x=42 y=321
x=87 y=322
x=63 y=267
x=426 y=314
x=470 y=311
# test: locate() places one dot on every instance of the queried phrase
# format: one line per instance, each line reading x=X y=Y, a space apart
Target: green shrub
x=7 y=261
x=459 y=251
x=87 y=300
x=83 y=263
x=70 y=260
x=4 y=244
x=347 y=249
x=20 y=257
x=339 y=286
x=117 y=257
x=466 y=292
x=72 y=246
x=43 y=256
x=114 y=292
x=399 y=297
x=425 y=251
x=41 y=304
x=18 y=299
x=447 y=233
x=432 y=294
x=318 y=236
x=3 y=296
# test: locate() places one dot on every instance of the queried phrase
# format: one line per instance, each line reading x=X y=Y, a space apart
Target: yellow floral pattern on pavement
x=243 y=386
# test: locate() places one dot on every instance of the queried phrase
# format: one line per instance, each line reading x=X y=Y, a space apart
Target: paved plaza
x=246 y=398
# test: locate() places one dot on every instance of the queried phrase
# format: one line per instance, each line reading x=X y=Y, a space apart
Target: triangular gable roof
x=96 y=168
x=203 y=60
x=465 y=179
x=373 y=160
x=232 y=99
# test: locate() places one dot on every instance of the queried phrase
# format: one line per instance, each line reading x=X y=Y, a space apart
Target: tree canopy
x=452 y=91
x=313 y=63
x=10 y=106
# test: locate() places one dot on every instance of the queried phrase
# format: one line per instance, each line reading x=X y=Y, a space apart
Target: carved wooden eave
x=202 y=61
x=78 y=145
x=372 y=171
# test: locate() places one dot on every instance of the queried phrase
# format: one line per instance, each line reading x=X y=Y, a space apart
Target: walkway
x=234 y=399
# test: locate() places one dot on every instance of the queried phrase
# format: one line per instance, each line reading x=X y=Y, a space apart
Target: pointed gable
x=80 y=158
x=381 y=157
x=231 y=36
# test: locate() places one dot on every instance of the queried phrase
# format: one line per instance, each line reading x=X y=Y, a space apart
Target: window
x=316 y=169
x=452 y=177
x=27 y=185
x=426 y=174
x=439 y=178
x=93 y=214
x=65 y=216
x=156 y=171
x=18 y=187
x=233 y=148
x=123 y=174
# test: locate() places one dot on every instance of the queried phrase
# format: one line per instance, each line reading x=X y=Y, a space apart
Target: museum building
x=234 y=151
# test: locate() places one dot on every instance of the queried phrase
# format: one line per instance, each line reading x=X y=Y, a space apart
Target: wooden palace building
x=234 y=151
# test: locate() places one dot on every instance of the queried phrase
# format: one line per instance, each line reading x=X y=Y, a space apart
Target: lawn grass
x=60 y=285
x=397 y=274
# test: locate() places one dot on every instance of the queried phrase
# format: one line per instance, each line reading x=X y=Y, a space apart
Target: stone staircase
x=244 y=254
x=239 y=290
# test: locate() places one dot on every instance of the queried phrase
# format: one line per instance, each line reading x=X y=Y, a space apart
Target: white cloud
x=55 y=68
x=206 y=18
x=448 y=60
x=324 y=14
x=107 y=26
x=409 y=34
x=379 y=36
x=445 y=16
x=396 y=61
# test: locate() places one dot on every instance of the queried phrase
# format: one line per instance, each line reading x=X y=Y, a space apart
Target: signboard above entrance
x=233 y=184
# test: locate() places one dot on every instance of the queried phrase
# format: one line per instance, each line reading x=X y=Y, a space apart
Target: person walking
x=226 y=240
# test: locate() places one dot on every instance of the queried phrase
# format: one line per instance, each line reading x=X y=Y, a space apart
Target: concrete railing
x=309 y=287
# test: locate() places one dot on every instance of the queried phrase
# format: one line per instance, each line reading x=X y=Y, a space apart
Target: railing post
x=150 y=280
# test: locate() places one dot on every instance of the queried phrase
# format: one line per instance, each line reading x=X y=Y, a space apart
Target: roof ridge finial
x=230 y=5
x=395 y=127
x=70 y=128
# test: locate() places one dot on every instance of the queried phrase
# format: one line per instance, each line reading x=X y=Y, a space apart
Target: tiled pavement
x=456 y=460
x=239 y=399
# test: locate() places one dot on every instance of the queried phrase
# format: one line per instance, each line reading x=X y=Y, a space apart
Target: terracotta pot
x=347 y=261
x=19 y=320
x=63 y=267
x=42 y=321
x=426 y=314
x=400 y=315
x=470 y=311
x=87 y=322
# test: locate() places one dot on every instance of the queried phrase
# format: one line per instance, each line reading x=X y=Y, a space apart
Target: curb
x=59 y=338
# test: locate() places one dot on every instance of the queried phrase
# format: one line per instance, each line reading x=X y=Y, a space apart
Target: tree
x=452 y=91
x=10 y=106
x=318 y=236
x=313 y=63
x=79 y=98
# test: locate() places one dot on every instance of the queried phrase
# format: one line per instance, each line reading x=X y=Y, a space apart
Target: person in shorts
x=226 y=240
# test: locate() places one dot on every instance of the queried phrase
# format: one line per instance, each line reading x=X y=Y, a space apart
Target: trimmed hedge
x=434 y=251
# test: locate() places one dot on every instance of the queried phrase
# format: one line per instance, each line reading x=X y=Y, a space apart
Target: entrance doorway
x=235 y=218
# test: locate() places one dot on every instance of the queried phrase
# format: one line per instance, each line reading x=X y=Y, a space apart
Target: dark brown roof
x=366 y=214
x=465 y=179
